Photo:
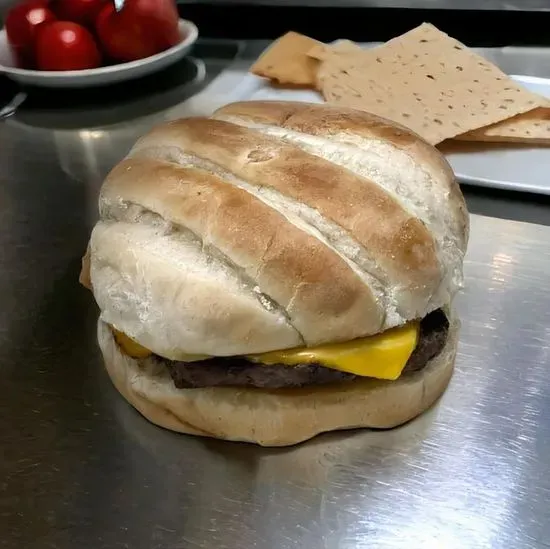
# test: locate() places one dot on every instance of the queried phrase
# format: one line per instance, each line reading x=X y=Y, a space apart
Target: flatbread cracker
x=342 y=47
x=322 y=52
x=287 y=63
x=426 y=81
x=531 y=127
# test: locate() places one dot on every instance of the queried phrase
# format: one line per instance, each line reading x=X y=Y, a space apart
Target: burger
x=278 y=270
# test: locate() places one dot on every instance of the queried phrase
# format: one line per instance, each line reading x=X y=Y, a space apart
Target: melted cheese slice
x=381 y=356
x=133 y=349
x=129 y=346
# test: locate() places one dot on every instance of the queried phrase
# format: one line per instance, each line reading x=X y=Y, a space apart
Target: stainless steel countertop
x=79 y=468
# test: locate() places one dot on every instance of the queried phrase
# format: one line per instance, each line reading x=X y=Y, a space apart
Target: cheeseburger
x=278 y=270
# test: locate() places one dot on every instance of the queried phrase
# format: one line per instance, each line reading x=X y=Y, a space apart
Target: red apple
x=66 y=46
x=83 y=12
x=141 y=29
x=22 y=23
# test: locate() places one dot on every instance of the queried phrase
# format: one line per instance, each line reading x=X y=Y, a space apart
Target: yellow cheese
x=132 y=348
x=382 y=356
x=129 y=346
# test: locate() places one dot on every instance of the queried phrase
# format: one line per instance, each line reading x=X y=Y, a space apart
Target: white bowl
x=102 y=75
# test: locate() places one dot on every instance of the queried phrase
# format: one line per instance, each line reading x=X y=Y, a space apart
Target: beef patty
x=240 y=372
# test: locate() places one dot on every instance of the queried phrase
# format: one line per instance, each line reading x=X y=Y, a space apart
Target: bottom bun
x=279 y=417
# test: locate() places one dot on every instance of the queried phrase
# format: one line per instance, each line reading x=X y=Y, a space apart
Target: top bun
x=272 y=225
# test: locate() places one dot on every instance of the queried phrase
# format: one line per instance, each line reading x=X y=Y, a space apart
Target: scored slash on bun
x=272 y=225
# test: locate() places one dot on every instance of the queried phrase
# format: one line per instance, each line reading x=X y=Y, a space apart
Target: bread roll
x=272 y=225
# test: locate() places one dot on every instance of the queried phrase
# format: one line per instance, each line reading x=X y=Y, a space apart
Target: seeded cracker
x=532 y=127
x=322 y=52
x=342 y=47
x=427 y=81
x=286 y=61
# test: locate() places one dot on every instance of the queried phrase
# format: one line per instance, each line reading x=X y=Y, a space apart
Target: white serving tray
x=504 y=166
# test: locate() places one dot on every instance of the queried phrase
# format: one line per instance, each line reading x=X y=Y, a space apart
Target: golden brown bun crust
x=272 y=225
x=340 y=122
x=276 y=418
x=294 y=268
x=362 y=208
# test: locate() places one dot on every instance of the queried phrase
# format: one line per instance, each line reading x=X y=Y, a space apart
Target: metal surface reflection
x=79 y=468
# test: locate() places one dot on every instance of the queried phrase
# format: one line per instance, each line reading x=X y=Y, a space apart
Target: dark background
x=476 y=28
